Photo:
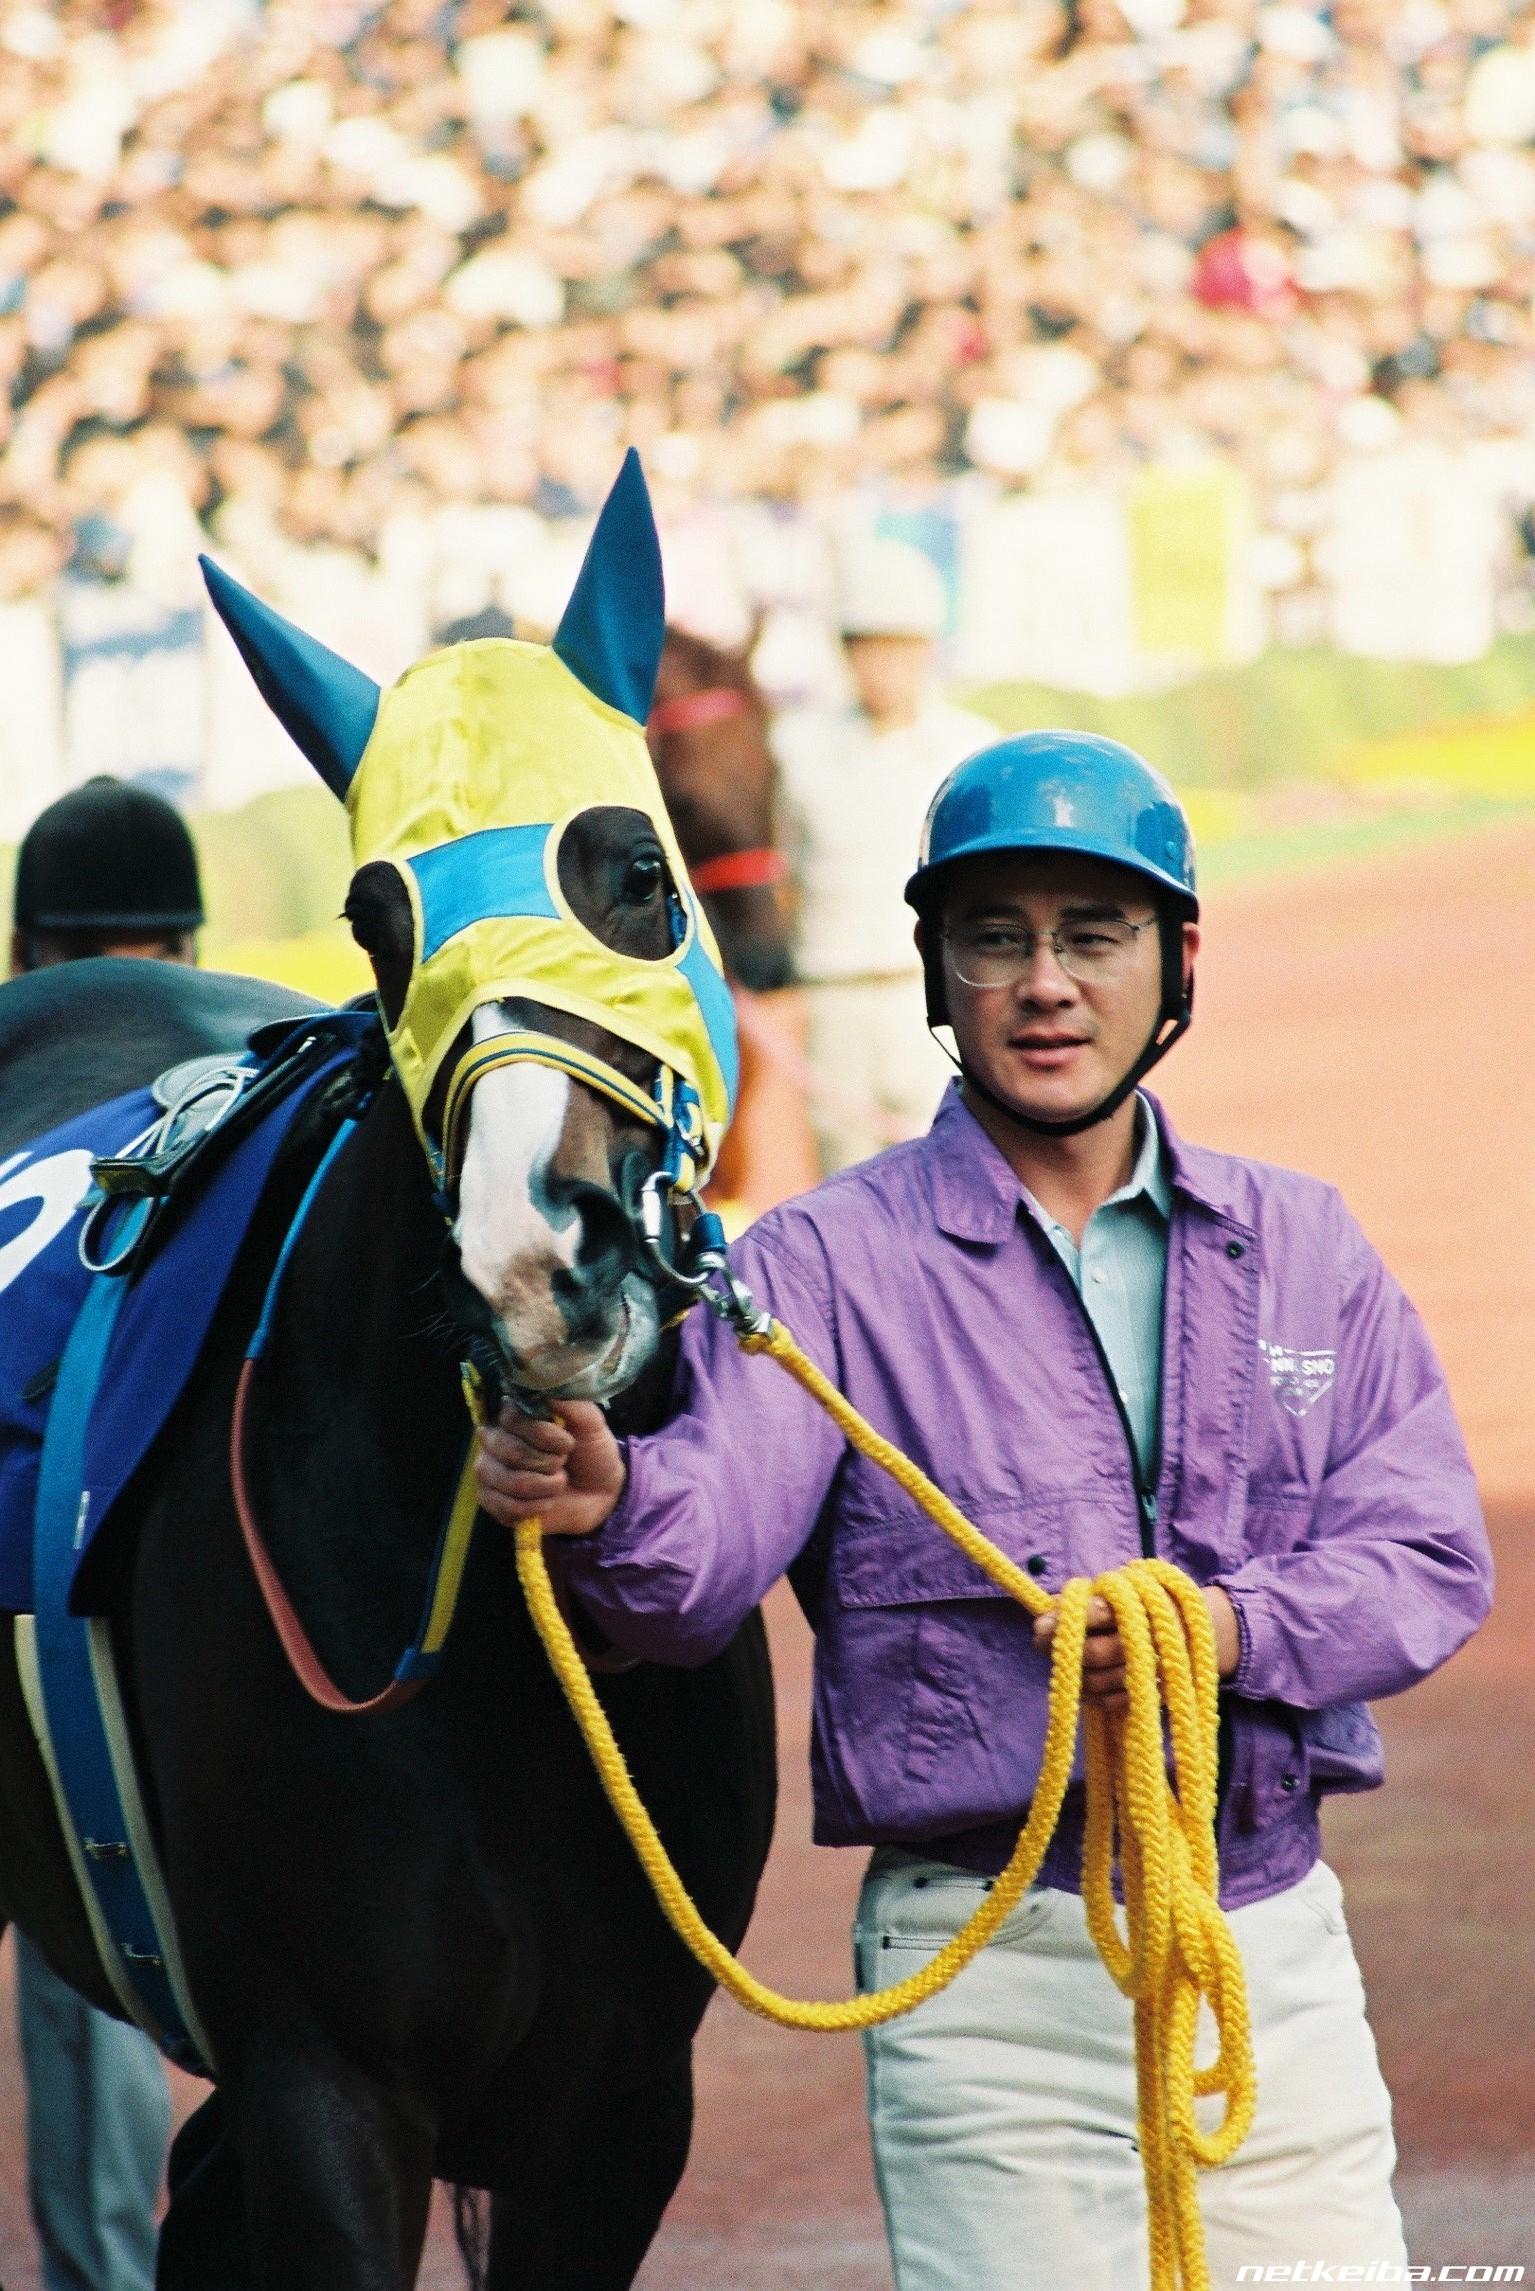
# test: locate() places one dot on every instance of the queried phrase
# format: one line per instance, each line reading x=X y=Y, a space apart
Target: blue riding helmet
x=1059 y=791
x=1064 y=791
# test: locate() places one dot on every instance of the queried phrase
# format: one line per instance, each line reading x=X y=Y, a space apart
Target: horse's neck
x=354 y=1343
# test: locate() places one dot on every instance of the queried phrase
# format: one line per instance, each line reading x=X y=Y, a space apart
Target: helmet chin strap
x=1173 y=1020
x=1073 y=1124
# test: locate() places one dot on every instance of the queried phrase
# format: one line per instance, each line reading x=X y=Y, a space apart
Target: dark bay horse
x=708 y=730
x=417 y=1940
x=708 y=734
x=419 y=1943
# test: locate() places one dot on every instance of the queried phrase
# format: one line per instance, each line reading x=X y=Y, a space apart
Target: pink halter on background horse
x=708 y=731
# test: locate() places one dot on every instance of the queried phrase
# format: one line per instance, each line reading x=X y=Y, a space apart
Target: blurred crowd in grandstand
x=313 y=264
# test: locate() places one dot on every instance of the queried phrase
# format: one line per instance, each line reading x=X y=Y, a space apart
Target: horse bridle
x=740 y=870
x=760 y=866
x=691 y=711
x=671 y=1106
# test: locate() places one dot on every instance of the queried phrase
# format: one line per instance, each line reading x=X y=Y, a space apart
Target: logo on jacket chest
x=1298 y=1379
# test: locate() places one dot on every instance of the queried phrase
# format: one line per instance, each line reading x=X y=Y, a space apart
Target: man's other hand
x=1103 y=1654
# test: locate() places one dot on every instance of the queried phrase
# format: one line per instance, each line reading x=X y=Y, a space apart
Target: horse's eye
x=643 y=878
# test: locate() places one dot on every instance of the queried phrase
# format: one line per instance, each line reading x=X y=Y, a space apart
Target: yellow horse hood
x=464 y=776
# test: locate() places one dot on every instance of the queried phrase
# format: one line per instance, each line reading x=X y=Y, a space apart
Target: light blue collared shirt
x=1120 y=1272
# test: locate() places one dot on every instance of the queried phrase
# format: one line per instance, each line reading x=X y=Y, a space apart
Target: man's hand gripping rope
x=1176 y=1948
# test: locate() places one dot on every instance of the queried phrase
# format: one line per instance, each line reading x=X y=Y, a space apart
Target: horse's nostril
x=605 y=1252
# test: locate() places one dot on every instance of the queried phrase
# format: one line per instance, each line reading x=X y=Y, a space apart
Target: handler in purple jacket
x=1101 y=1342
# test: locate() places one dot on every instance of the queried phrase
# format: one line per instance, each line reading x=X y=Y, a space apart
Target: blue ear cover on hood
x=326 y=705
x=612 y=630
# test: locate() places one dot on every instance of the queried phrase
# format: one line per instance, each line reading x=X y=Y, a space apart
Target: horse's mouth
x=548 y=1376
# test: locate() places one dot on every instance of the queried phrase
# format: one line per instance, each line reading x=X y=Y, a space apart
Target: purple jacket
x=1310 y=1463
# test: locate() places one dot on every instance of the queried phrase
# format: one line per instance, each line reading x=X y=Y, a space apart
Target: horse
x=708 y=735
x=417 y=1941
x=709 y=740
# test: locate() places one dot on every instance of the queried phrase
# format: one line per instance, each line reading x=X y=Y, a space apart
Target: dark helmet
x=108 y=857
x=1065 y=791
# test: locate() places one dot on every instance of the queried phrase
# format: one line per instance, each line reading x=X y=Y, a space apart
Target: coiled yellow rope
x=1177 y=1947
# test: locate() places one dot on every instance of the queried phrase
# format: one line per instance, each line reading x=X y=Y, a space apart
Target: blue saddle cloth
x=167 y=1310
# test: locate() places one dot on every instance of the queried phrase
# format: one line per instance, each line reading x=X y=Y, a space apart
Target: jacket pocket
x=933 y=1663
x=973 y=1670
x=892 y=1555
x=1270 y=1766
x=1343 y=1747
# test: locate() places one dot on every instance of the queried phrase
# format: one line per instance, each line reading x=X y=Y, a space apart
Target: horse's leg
x=337 y=2175
x=204 y=2245
x=588 y=2222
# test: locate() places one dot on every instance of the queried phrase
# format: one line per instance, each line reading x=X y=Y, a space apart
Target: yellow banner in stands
x=1187 y=528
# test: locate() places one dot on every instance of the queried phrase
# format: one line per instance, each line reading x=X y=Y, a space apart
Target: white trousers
x=1003 y=2111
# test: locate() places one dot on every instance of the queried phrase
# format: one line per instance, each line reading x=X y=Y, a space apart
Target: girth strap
x=70 y=1682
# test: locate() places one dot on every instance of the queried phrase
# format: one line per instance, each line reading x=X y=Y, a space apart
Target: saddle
x=156 y=1188
x=140 y=1209
x=208 y=1105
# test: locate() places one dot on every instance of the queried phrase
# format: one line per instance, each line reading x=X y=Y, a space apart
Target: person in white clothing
x=856 y=784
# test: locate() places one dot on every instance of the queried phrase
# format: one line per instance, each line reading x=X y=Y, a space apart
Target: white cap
x=889 y=588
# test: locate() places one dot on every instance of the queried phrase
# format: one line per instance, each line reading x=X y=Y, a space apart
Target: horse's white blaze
x=531 y=1134
x=512 y=1238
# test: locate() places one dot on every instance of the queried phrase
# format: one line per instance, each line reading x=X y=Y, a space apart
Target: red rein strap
x=306 y=1665
x=294 y=1640
x=739 y=870
x=690 y=710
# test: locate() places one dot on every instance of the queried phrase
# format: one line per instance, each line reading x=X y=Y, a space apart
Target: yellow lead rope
x=1177 y=1947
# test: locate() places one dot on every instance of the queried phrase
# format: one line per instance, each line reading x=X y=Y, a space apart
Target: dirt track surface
x=1373 y=1025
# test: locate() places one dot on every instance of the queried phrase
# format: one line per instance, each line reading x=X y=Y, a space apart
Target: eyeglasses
x=1093 y=951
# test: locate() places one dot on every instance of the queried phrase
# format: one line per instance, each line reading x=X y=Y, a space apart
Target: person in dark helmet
x=109 y=869
x=1104 y=1343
